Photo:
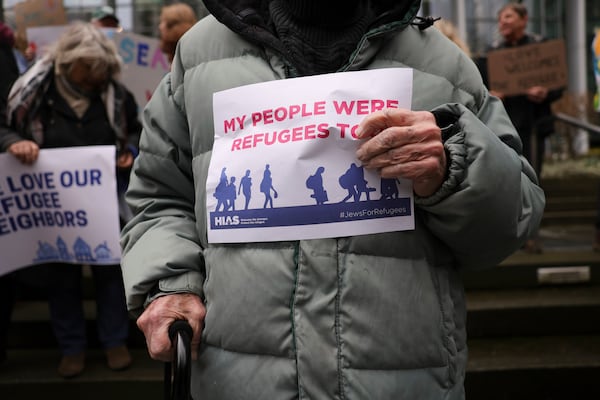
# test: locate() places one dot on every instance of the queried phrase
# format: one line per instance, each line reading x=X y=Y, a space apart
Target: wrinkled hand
x=125 y=160
x=537 y=94
x=161 y=313
x=404 y=144
x=26 y=151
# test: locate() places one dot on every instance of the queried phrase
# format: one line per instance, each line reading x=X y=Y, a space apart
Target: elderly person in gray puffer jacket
x=377 y=316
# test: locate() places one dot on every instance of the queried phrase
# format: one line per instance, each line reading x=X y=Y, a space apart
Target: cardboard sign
x=144 y=64
x=39 y=13
x=514 y=70
x=42 y=37
x=596 y=67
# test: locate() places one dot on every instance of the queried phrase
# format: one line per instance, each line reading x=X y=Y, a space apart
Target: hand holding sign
x=537 y=94
x=404 y=144
x=26 y=151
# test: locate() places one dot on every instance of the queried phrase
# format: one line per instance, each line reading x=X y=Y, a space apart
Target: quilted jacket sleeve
x=491 y=202
x=161 y=249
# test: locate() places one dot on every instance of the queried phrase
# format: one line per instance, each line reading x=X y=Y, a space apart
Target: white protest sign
x=284 y=166
x=63 y=208
x=42 y=37
x=144 y=64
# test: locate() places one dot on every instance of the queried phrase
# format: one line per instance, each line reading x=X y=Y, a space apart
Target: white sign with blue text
x=284 y=164
x=63 y=208
x=144 y=64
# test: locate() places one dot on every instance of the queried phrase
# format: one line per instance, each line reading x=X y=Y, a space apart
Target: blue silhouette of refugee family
x=353 y=181
x=81 y=252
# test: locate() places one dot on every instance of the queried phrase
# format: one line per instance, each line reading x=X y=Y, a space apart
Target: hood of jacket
x=250 y=18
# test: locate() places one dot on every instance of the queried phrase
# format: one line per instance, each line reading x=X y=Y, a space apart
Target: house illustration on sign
x=81 y=252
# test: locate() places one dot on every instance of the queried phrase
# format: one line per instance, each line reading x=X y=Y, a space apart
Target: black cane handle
x=178 y=374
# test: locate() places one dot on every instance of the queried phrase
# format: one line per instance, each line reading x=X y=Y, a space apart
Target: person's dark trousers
x=527 y=139
x=531 y=142
x=111 y=308
x=7 y=300
x=65 y=298
x=539 y=161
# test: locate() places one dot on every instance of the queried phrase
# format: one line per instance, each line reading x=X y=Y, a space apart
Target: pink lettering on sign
x=362 y=107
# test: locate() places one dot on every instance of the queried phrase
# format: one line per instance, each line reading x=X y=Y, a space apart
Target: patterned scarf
x=26 y=96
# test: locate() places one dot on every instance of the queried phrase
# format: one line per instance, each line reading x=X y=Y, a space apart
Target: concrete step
x=565 y=247
x=574 y=214
x=572 y=200
x=534 y=368
x=527 y=353
x=542 y=311
x=532 y=270
x=31 y=375
x=569 y=185
x=30 y=324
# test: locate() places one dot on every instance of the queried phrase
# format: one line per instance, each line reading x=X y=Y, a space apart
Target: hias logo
x=227 y=220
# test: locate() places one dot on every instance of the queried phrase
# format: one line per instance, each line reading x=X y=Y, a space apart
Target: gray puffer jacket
x=367 y=317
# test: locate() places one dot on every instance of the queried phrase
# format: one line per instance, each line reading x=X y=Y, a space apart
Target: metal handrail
x=579 y=123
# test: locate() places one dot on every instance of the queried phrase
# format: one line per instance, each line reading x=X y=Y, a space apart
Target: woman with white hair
x=71 y=97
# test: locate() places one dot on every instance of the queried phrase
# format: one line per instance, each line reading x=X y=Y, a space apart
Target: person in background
x=530 y=113
x=105 y=17
x=9 y=68
x=378 y=316
x=71 y=97
x=24 y=52
x=9 y=72
x=595 y=47
x=531 y=110
x=175 y=20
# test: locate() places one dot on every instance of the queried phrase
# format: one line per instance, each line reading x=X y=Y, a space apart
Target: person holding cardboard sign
x=530 y=111
x=352 y=316
x=9 y=72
